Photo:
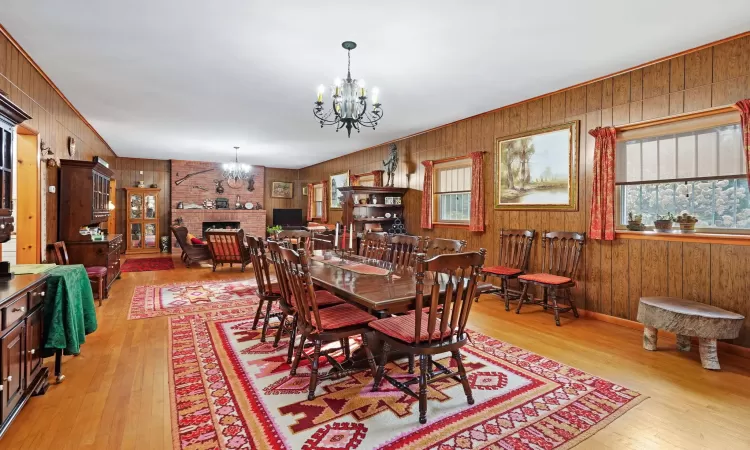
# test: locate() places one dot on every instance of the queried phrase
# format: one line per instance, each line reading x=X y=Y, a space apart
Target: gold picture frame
x=336 y=181
x=528 y=173
x=282 y=189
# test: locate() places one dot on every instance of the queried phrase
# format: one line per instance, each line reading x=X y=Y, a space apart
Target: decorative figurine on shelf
x=180 y=205
x=141 y=184
x=258 y=206
x=391 y=164
x=164 y=244
x=219 y=186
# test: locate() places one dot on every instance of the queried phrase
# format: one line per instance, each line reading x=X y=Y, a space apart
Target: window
x=700 y=172
x=318 y=200
x=452 y=191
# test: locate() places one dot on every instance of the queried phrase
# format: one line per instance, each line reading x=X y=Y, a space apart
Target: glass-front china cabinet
x=142 y=220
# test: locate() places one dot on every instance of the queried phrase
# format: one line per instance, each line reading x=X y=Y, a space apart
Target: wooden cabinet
x=84 y=197
x=360 y=210
x=21 y=336
x=142 y=221
x=10 y=116
x=104 y=253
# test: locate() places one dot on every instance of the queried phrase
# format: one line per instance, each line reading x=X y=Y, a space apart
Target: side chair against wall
x=515 y=248
x=97 y=274
x=435 y=329
x=228 y=246
x=322 y=325
x=403 y=249
x=190 y=253
x=374 y=245
x=561 y=255
x=439 y=246
x=268 y=291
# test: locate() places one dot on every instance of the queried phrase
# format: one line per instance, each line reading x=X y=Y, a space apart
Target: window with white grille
x=318 y=200
x=700 y=172
x=452 y=191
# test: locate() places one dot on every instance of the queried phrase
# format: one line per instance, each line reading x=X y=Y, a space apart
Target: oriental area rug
x=191 y=297
x=230 y=391
x=148 y=264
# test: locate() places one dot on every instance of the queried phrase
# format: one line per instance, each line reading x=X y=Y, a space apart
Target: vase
x=664 y=226
x=687 y=227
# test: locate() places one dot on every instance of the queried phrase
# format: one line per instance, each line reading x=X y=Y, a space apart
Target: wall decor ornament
x=337 y=181
x=282 y=189
x=538 y=170
x=71 y=146
x=391 y=164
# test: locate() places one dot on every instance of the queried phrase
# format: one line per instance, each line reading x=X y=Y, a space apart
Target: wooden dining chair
x=374 y=245
x=513 y=260
x=403 y=250
x=561 y=255
x=268 y=291
x=322 y=325
x=295 y=239
x=97 y=274
x=439 y=329
x=439 y=246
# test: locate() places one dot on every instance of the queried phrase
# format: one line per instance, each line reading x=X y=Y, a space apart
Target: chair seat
x=545 y=278
x=342 y=316
x=325 y=298
x=96 y=271
x=502 y=270
x=403 y=328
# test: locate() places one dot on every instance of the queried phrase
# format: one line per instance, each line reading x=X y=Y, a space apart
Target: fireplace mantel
x=252 y=221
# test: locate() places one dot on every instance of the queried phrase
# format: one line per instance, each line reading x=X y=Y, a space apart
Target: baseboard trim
x=725 y=347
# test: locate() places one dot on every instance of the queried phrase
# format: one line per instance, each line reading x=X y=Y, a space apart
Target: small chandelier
x=349 y=102
x=235 y=170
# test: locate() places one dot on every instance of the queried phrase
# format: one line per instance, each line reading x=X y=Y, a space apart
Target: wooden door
x=28 y=219
x=13 y=349
x=33 y=343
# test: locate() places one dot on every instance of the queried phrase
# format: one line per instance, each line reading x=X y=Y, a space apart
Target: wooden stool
x=687 y=318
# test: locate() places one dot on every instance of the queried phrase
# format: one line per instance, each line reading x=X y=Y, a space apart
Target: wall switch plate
x=141 y=172
x=52 y=189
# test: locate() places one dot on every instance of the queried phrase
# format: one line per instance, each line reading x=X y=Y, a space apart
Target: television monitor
x=291 y=217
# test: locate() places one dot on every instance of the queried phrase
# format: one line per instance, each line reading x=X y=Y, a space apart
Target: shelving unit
x=361 y=214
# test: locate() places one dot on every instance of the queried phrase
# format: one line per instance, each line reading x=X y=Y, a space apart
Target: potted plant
x=274 y=230
x=687 y=222
x=663 y=223
x=635 y=222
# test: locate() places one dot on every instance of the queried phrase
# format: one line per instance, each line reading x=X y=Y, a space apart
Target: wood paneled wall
x=53 y=119
x=614 y=275
x=270 y=203
x=128 y=173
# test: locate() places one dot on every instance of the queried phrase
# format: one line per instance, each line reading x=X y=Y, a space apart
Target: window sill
x=450 y=225
x=697 y=237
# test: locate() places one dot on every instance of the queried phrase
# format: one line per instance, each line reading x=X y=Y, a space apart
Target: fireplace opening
x=220 y=226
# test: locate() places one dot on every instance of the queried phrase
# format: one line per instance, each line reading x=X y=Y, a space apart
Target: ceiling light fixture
x=349 y=102
x=235 y=170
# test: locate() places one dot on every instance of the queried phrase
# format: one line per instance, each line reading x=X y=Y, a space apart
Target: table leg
x=683 y=343
x=59 y=377
x=649 y=338
x=709 y=357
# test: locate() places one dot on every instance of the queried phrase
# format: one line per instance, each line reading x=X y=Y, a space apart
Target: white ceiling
x=190 y=79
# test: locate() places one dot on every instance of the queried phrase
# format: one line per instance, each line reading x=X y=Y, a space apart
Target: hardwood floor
x=116 y=393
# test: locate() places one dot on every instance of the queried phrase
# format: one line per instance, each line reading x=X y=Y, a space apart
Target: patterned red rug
x=148 y=264
x=191 y=297
x=231 y=391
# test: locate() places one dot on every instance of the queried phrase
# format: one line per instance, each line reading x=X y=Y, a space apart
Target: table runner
x=364 y=269
x=69 y=311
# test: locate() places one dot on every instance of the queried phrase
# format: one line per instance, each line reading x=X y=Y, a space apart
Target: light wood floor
x=116 y=392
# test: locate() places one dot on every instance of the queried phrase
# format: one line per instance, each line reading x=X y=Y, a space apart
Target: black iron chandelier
x=348 y=102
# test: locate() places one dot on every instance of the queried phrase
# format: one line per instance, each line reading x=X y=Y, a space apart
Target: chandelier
x=348 y=102
x=235 y=170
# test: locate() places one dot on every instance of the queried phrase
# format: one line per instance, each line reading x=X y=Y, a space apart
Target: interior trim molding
x=697 y=237
x=18 y=47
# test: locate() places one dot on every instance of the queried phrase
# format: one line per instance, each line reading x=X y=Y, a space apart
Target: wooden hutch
x=84 y=202
x=365 y=205
x=21 y=297
x=142 y=216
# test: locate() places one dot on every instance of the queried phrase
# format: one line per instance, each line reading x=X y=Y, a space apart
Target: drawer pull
x=32 y=351
x=9 y=379
x=40 y=294
x=21 y=309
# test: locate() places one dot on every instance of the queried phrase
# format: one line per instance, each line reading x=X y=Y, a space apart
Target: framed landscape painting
x=335 y=182
x=538 y=170
x=282 y=189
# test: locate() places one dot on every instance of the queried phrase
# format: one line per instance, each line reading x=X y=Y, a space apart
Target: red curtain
x=310 y=202
x=426 y=219
x=324 y=219
x=603 y=196
x=744 y=107
x=477 y=193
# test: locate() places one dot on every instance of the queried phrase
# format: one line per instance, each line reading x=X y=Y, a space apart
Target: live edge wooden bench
x=686 y=318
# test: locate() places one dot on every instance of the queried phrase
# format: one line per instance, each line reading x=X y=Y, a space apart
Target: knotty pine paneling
x=615 y=275
x=270 y=203
x=155 y=171
x=53 y=119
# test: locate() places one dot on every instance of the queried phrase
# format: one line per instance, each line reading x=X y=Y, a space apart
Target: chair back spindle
x=562 y=252
x=403 y=250
x=226 y=245
x=374 y=245
x=287 y=299
x=296 y=239
x=515 y=248
x=459 y=272
x=440 y=246
x=300 y=287
x=260 y=264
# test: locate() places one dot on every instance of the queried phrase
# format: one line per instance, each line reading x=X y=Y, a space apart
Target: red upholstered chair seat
x=196 y=241
x=342 y=316
x=546 y=278
x=402 y=328
x=96 y=271
x=325 y=298
x=502 y=270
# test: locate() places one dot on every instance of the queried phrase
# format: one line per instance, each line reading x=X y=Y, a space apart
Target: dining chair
x=374 y=245
x=322 y=240
x=97 y=274
x=439 y=246
x=435 y=330
x=403 y=250
x=322 y=325
x=288 y=315
x=268 y=291
x=296 y=239
x=561 y=255
x=513 y=260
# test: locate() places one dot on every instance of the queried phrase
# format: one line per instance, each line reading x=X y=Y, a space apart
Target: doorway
x=24 y=246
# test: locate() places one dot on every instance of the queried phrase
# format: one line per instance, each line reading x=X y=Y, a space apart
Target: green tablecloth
x=69 y=311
